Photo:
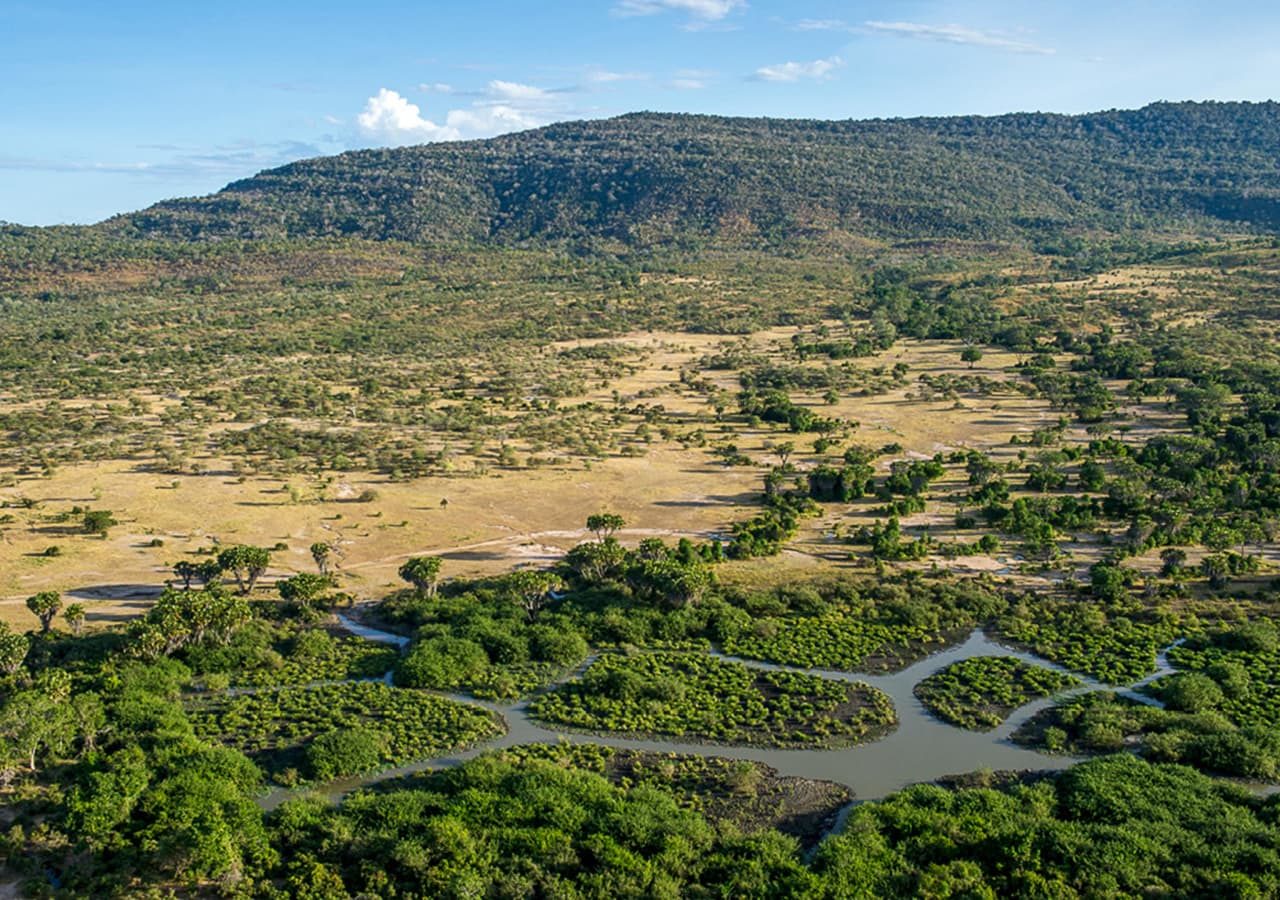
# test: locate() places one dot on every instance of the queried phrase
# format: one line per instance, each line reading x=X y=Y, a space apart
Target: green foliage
x=180 y=619
x=13 y=649
x=275 y=727
x=1101 y=722
x=857 y=626
x=980 y=693
x=422 y=572
x=1115 y=647
x=97 y=522
x=246 y=563
x=687 y=695
x=345 y=751
x=44 y=606
x=304 y=587
x=650 y=178
x=1112 y=827
x=264 y=655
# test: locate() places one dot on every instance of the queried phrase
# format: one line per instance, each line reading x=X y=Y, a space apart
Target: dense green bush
x=345 y=751
x=981 y=692
x=688 y=695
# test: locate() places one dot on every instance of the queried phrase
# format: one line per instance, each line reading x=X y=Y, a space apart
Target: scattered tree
x=45 y=606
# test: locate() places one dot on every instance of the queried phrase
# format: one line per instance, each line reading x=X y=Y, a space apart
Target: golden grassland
x=485 y=519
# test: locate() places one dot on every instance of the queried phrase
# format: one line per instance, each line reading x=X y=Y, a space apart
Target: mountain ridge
x=653 y=178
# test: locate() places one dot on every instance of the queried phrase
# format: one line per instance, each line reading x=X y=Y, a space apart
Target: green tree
x=971 y=355
x=423 y=572
x=13 y=649
x=322 y=553
x=304 y=587
x=37 y=723
x=246 y=563
x=97 y=521
x=605 y=525
x=532 y=590
x=186 y=571
x=45 y=606
x=75 y=618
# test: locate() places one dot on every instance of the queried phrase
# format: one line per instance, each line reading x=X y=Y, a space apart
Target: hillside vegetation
x=652 y=179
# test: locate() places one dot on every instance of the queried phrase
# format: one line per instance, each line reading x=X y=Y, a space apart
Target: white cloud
x=821 y=25
x=437 y=87
x=390 y=117
x=818 y=70
x=520 y=93
x=504 y=106
x=958 y=34
x=691 y=79
x=603 y=76
x=708 y=10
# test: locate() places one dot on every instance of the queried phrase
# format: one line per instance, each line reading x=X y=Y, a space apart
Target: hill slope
x=648 y=178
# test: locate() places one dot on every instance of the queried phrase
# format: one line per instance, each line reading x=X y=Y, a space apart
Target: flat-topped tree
x=423 y=572
x=97 y=521
x=186 y=571
x=45 y=605
x=605 y=525
x=246 y=563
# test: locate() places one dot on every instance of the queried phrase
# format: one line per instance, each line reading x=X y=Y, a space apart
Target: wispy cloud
x=707 y=10
x=958 y=34
x=817 y=70
x=183 y=163
x=821 y=25
x=504 y=106
x=604 y=76
x=691 y=79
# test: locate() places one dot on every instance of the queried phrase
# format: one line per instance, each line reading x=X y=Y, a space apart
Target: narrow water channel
x=921 y=749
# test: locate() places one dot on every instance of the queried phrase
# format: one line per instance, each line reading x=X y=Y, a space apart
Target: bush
x=443 y=663
x=565 y=648
x=1191 y=692
x=345 y=751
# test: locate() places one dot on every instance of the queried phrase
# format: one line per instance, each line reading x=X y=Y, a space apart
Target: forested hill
x=650 y=178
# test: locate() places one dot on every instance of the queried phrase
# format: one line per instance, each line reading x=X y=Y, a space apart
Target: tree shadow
x=116 y=592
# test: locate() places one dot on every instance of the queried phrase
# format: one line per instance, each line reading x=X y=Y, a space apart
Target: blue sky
x=106 y=108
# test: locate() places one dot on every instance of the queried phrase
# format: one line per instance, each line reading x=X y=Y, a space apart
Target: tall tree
x=423 y=572
x=45 y=606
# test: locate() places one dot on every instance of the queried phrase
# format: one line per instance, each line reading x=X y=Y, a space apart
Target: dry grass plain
x=485 y=520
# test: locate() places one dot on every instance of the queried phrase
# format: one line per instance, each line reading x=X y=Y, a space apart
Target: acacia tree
x=97 y=521
x=75 y=618
x=186 y=571
x=45 y=606
x=605 y=525
x=322 y=553
x=532 y=590
x=246 y=563
x=303 y=587
x=423 y=572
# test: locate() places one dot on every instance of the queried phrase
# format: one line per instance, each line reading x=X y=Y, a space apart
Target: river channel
x=921 y=749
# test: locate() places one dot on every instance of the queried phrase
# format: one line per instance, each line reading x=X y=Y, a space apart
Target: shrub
x=345 y=751
x=442 y=663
